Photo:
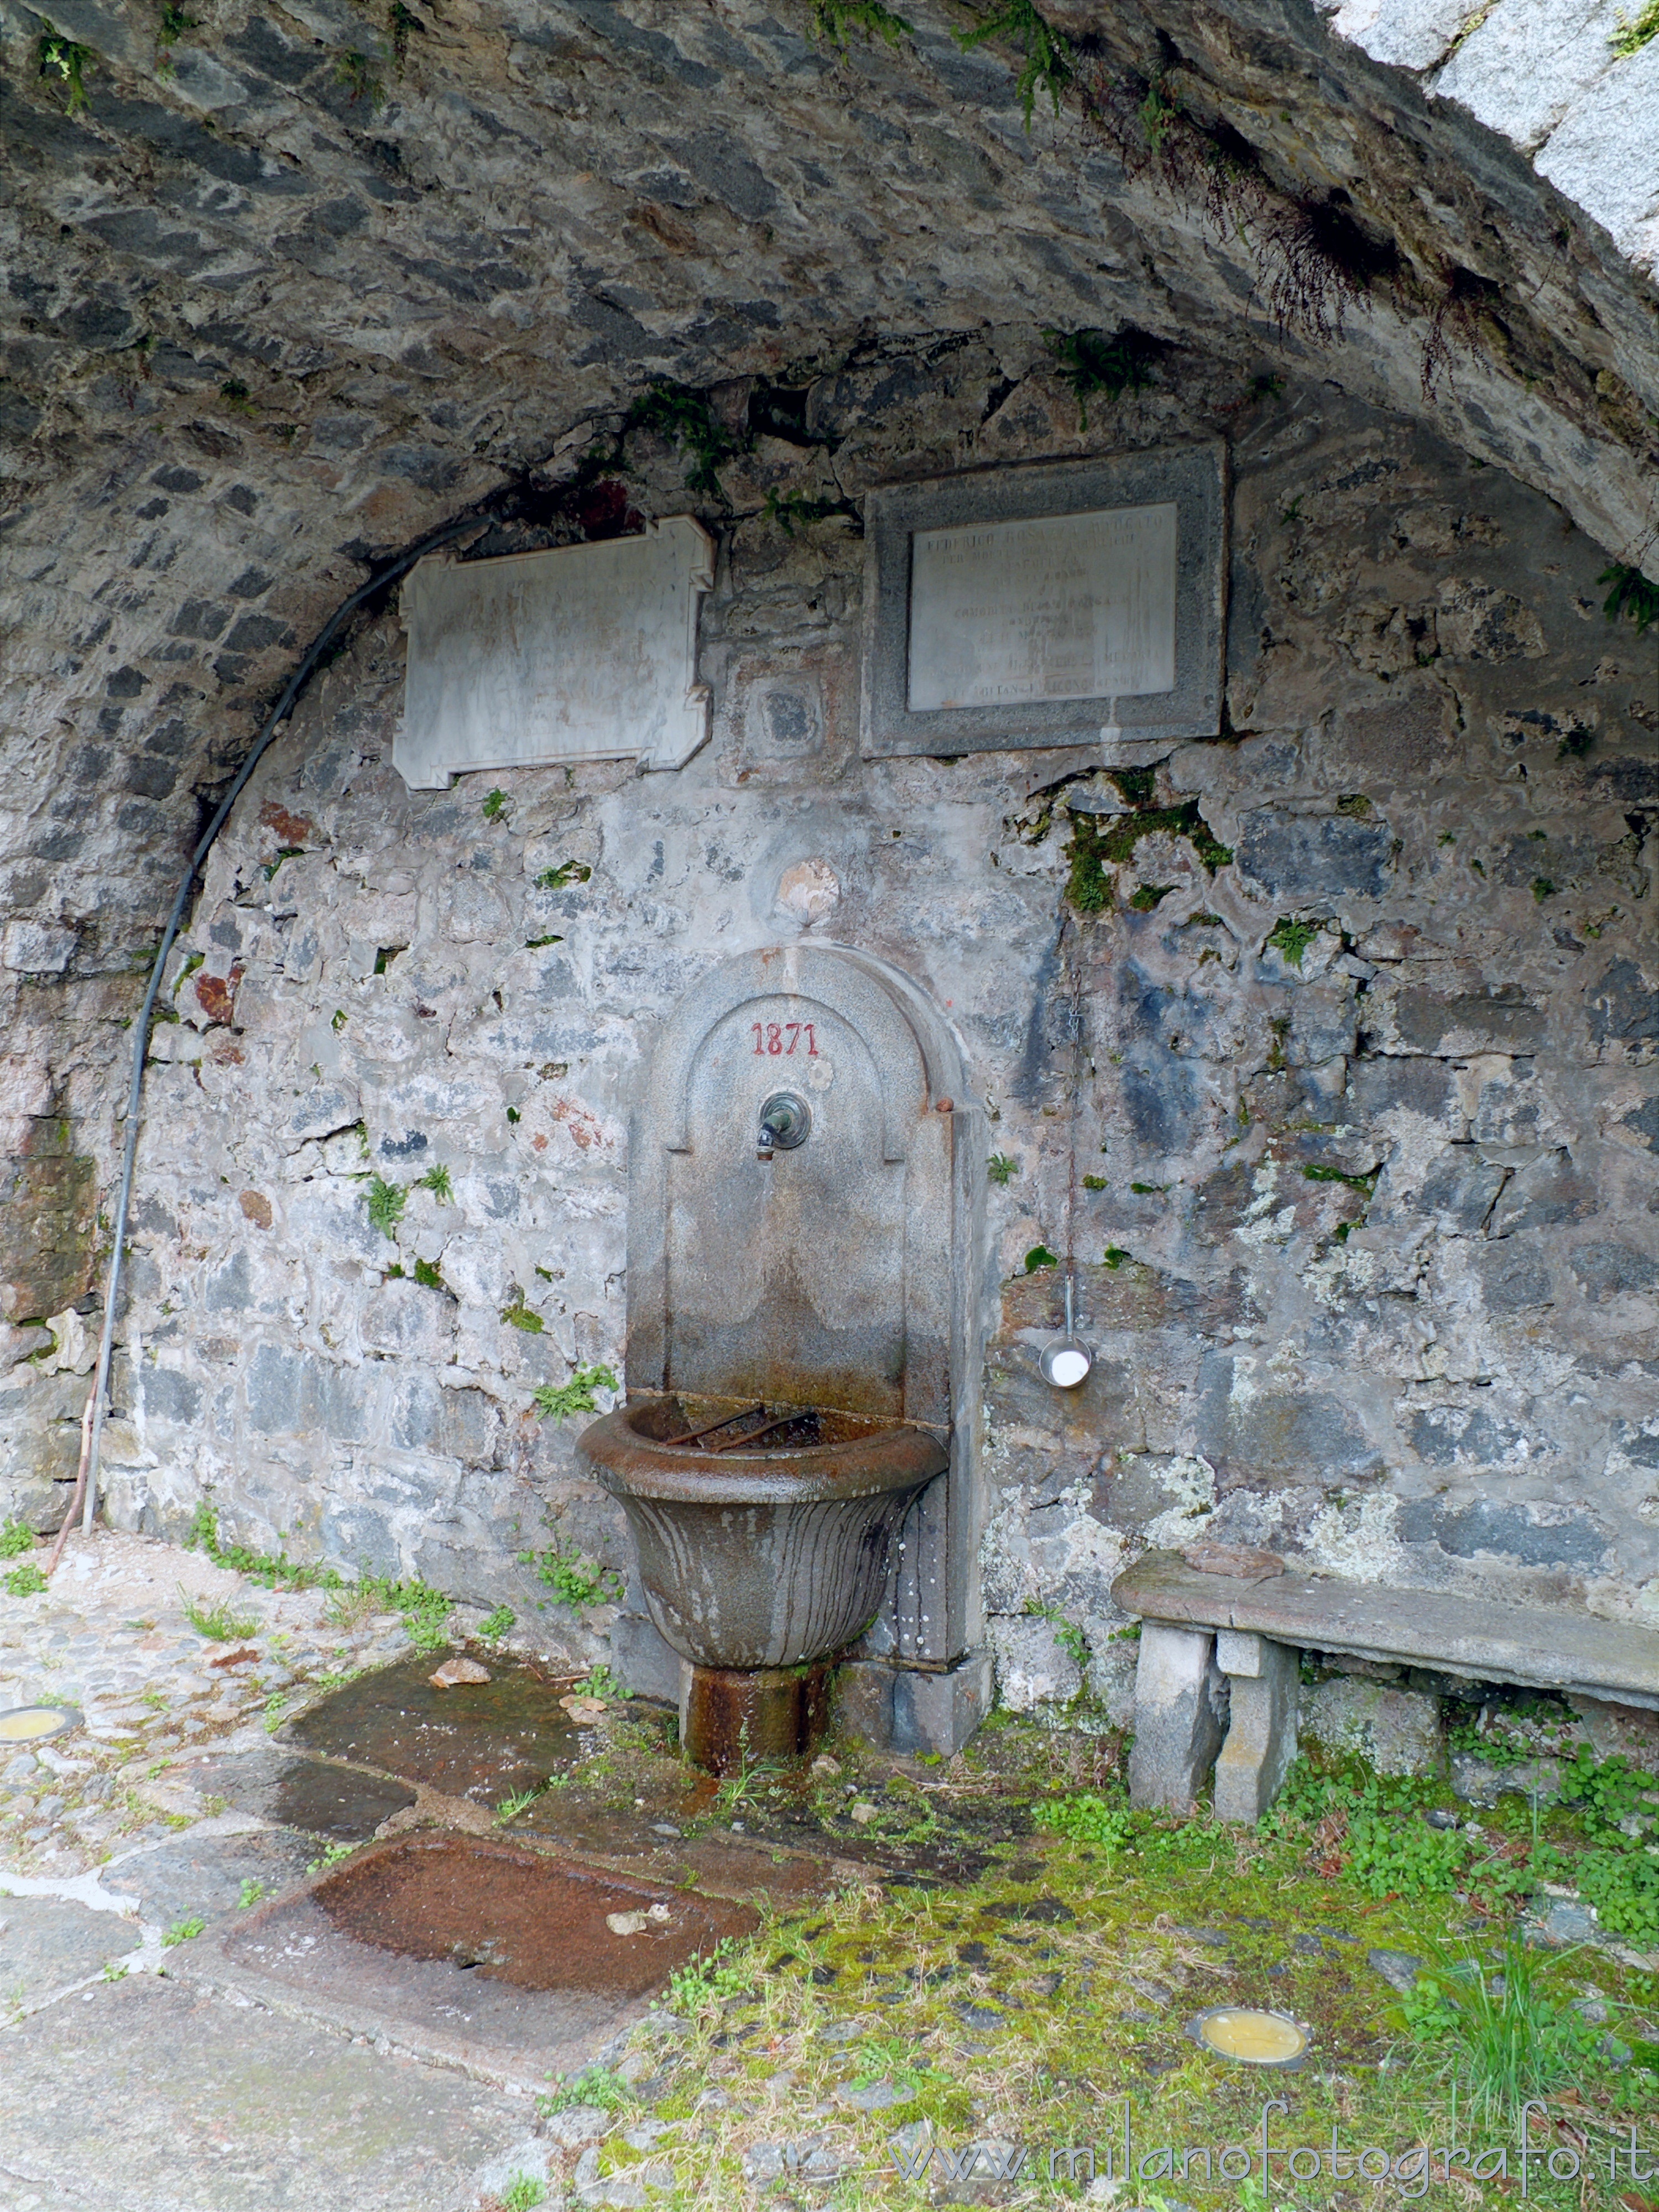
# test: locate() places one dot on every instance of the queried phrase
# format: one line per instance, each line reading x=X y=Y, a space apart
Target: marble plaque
x=586 y=652
x=1072 y=606
x=1072 y=603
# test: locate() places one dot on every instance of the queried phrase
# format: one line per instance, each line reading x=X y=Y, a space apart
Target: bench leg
x=1260 y=1744
x=1179 y=1715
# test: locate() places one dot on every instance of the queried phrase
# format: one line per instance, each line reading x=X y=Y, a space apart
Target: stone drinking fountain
x=794 y=1452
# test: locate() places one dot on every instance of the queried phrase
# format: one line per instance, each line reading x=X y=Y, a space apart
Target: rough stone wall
x=1331 y=1044
x=271 y=311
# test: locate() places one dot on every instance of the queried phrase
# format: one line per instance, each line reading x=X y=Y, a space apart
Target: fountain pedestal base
x=732 y=1718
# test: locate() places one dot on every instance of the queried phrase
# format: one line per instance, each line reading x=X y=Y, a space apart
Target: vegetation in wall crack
x=685 y=419
x=495 y=1624
x=1040 y=1257
x=1632 y=594
x=1113 y=1257
x=601 y=2087
x=834 y=23
x=1158 y=114
x=600 y=1682
x=425 y=1611
x=556 y=1402
x=1000 y=1169
x=520 y=1315
x=436 y=1180
x=1047 y=65
x=355 y=70
x=573 y=1579
x=701 y=1984
x=400 y=22
x=65 y=59
x=1316 y=1171
x=494 y=805
x=1322 y=261
x=1632 y=32
x=796 y=508
x=1291 y=938
x=15 y=1539
x=1091 y=361
x=428 y=1276
x=236 y=395
x=1098 y=841
x=568 y=872
x=386 y=1202
x=170 y=24
x=1094 y=1183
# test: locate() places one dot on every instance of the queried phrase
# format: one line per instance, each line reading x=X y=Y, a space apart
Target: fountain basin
x=763 y=1534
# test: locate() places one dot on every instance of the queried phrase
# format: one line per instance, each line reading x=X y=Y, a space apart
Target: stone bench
x=1249 y=1624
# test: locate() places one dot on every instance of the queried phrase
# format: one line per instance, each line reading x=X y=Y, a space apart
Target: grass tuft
x=216 y=1622
x=1496 y=2035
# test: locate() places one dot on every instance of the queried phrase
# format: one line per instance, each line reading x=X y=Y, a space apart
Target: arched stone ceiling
x=297 y=283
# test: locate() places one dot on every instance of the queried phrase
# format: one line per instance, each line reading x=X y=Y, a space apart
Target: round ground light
x=1251 y=2038
x=34 y=1723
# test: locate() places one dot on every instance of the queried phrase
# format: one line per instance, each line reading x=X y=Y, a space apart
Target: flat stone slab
x=202 y=1877
x=476 y=1952
x=48 y=1944
x=341 y=1804
x=206 y=2106
x=485 y=1740
x=1460 y=1635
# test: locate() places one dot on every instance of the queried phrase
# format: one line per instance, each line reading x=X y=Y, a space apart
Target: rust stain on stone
x=217 y=995
x=291 y=828
x=515 y=1917
x=257 y=1206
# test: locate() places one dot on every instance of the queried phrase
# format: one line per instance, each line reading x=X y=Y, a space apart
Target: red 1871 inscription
x=770 y=1038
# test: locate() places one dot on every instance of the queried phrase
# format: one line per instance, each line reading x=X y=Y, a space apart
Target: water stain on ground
x=485 y=1740
x=340 y=1803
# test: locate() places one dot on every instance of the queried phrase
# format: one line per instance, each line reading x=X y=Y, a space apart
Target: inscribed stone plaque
x=1065 y=604
x=586 y=652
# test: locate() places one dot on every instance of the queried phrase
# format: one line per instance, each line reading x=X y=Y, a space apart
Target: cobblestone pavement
x=112 y=1636
x=108 y=1866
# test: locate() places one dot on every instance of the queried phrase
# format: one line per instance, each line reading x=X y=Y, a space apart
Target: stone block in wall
x=1033 y=1668
x=1615 y=1730
x=1299 y=857
x=326 y=1110
x=1254 y=1429
x=1514 y=1277
x=48 y=1206
x=1543 y=1193
x=1422 y=1088
x=425 y=1416
x=411 y=1321
x=1398 y=1731
x=296 y=1393
x=1530 y=1535
x=1623 y=1011
x=1608 y=1270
